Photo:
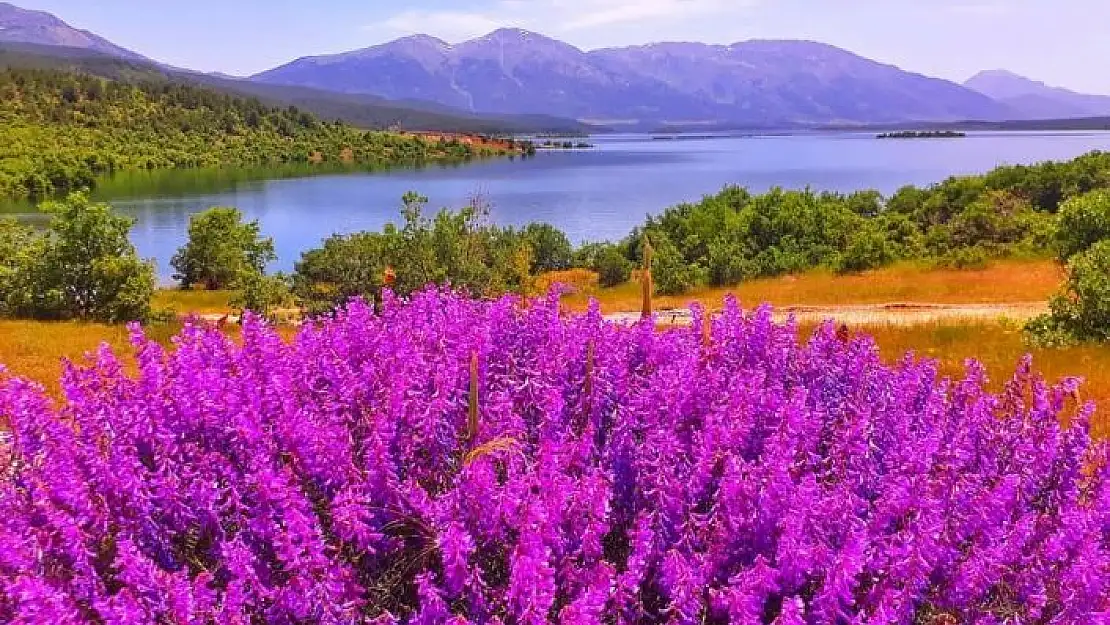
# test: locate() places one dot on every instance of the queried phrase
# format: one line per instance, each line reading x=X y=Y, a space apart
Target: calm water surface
x=591 y=195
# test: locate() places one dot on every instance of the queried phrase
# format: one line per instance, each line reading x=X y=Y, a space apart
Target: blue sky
x=1063 y=42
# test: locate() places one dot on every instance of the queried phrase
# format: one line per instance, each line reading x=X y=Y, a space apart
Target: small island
x=922 y=134
x=564 y=145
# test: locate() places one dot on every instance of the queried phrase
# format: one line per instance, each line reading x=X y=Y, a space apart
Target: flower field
x=457 y=461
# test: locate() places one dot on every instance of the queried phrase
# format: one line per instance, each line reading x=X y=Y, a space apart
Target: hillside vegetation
x=962 y=222
x=60 y=130
x=363 y=111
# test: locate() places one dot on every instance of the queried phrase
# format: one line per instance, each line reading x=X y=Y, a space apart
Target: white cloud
x=554 y=17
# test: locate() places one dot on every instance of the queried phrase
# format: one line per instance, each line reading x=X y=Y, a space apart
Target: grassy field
x=35 y=349
x=999 y=347
x=1001 y=283
x=199 y=302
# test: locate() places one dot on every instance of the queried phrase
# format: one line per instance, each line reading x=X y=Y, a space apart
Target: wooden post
x=589 y=386
x=472 y=415
x=646 y=280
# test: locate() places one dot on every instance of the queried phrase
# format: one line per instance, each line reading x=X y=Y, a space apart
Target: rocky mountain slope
x=753 y=82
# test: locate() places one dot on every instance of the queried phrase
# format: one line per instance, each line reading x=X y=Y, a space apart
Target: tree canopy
x=81 y=267
x=59 y=131
x=222 y=250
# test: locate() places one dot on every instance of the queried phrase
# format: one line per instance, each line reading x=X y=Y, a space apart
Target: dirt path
x=899 y=314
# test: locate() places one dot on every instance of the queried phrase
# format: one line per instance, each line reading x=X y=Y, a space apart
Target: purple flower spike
x=583 y=473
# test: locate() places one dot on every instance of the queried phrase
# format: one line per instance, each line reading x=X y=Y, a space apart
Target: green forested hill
x=60 y=130
x=363 y=111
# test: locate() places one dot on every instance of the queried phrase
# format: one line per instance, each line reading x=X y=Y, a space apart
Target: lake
x=594 y=194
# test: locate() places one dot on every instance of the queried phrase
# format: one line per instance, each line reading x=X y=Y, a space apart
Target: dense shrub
x=963 y=221
x=965 y=258
x=263 y=294
x=455 y=461
x=995 y=219
x=1048 y=184
x=1082 y=311
x=15 y=243
x=726 y=262
x=344 y=267
x=671 y=273
x=551 y=249
x=222 y=250
x=81 y=267
x=869 y=249
x=1083 y=221
x=735 y=235
x=607 y=260
x=453 y=247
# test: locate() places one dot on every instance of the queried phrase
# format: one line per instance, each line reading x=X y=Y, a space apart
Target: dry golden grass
x=999 y=347
x=35 y=349
x=189 y=301
x=1002 y=282
x=583 y=281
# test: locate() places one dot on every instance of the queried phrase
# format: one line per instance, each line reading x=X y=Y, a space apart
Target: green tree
x=222 y=250
x=672 y=274
x=551 y=249
x=15 y=244
x=454 y=247
x=607 y=260
x=869 y=249
x=263 y=294
x=345 y=267
x=82 y=267
x=1082 y=222
x=1081 y=312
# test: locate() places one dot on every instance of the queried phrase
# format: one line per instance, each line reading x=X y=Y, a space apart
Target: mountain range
x=39 y=27
x=34 y=39
x=1036 y=100
x=749 y=83
x=522 y=79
